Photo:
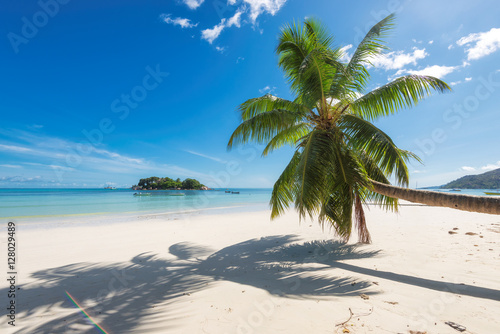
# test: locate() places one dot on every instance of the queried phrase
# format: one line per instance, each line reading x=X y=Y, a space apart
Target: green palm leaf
x=289 y=136
x=401 y=93
x=366 y=137
x=285 y=187
x=263 y=127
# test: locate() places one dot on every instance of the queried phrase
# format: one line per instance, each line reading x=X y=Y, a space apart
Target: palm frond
x=367 y=138
x=263 y=127
x=401 y=93
x=336 y=210
x=289 y=136
x=318 y=33
x=356 y=75
x=314 y=165
x=268 y=102
x=285 y=188
x=373 y=43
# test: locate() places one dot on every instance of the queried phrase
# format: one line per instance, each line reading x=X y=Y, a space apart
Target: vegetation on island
x=488 y=180
x=342 y=160
x=166 y=183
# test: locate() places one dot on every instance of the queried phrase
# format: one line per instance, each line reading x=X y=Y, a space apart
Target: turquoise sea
x=46 y=203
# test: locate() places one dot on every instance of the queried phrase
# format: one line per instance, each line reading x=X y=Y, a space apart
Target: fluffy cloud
x=454 y=83
x=193 y=4
x=235 y=20
x=178 y=21
x=491 y=166
x=398 y=59
x=267 y=90
x=253 y=7
x=468 y=169
x=211 y=34
x=481 y=44
x=258 y=7
x=435 y=71
x=346 y=57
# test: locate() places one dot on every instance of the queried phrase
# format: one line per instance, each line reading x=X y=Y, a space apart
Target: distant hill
x=488 y=180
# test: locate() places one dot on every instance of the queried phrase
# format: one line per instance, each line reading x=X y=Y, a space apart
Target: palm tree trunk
x=481 y=204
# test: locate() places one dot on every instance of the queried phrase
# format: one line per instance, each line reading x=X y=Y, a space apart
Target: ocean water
x=46 y=203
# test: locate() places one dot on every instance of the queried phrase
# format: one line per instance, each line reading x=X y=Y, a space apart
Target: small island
x=166 y=183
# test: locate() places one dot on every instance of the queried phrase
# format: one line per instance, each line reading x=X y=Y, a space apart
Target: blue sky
x=96 y=93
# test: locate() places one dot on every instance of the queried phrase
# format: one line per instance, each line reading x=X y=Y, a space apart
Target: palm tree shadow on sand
x=120 y=296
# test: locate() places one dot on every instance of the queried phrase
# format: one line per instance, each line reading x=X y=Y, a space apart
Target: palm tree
x=341 y=159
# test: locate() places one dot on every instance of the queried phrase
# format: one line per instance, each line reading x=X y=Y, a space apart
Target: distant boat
x=110 y=188
x=454 y=189
x=228 y=191
x=235 y=192
x=142 y=194
x=490 y=193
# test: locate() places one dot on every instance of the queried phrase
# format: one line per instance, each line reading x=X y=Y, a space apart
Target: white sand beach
x=241 y=273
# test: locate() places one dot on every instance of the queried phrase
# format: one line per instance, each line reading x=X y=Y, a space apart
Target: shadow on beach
x=120 y=295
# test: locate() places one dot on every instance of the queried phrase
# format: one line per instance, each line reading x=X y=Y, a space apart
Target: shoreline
x=239 y=272
x=113 y=218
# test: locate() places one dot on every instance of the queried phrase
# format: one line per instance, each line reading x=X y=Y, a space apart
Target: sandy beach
x=241 y=273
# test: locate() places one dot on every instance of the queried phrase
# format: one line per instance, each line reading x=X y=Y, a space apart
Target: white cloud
x=468 y=169
x=491 y=166
x=454 y=83
x=220 y=49
x=184 y=23
x=258 y=7
x=435 y=71
x=193 y=4
x=450 y=46
x=119 y=157
x=211 y=34
x=430 y=42
x=50 y=166
x=481 y=44
x=267 y=90
x=346 y=57
x=253 y=7
x=60 y=151
x=206 y=156
x=14 y=148
x=235 y=20
x=18 y=179
x=239 y=60
x=398 y=59
x=11 y=166
x=468 y=79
